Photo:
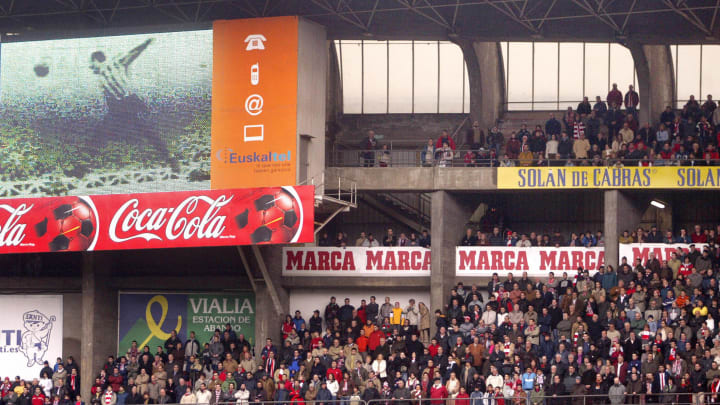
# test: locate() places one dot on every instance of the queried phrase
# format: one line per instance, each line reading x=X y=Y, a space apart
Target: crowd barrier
x=682 y=398
x=394 y=157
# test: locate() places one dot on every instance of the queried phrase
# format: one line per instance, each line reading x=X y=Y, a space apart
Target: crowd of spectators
x=368 y=239
x=644 y=333
x=509 y=237
x=598 y=134
x=56 y=385
x=602 y=134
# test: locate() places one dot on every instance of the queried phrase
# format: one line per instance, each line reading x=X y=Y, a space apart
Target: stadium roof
x=647 y=21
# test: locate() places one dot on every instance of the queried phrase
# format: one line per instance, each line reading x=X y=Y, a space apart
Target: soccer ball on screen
x=272 y=217
x=71 y=225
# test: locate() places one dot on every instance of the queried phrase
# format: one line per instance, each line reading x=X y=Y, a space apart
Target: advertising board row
x=149 y=318
x=476 y=261
x=157 y=220
x=638 y=177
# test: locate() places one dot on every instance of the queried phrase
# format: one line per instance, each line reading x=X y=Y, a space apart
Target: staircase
x=410 y=209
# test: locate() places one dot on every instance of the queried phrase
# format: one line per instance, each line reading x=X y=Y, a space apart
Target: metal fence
x=484 y=158
x=521 y=398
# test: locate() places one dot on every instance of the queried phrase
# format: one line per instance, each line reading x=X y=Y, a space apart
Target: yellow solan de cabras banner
x=667 y=177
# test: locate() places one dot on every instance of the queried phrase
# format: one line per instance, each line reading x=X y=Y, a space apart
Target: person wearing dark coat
x=554 y=390
x=370 y=393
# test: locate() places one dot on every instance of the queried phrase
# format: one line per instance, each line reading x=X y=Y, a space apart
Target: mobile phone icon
x=255 y=74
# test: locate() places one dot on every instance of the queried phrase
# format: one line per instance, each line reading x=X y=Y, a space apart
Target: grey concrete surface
x=621 y=212
x=450 y=214
x=416 y=178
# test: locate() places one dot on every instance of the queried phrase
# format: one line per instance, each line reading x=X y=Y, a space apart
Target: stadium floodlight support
x=658 y=204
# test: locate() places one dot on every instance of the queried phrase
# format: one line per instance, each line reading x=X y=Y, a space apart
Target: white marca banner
x=31 y=332
x=661 y=251
x=356 y=262
x=483 y=261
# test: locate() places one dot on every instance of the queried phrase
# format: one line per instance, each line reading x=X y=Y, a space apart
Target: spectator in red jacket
x=445 y=137
x=374 y=339
x=462 y=397
x=115 y=380
x=438 y=393
x=698 y=236
x=38 y=397
x=615 y=96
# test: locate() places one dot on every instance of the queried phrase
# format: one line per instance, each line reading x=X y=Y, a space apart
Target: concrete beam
x=656 y=81
x=200 y=283
x=621 y=213
x=450 y=215
x=492 y=82
x=359 y=282
x=34 y=284
x=486 y=80
x=99 y=317
x=266 y=319
x=416 y=179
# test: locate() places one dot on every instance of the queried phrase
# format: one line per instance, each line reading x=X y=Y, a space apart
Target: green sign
x=148 y=318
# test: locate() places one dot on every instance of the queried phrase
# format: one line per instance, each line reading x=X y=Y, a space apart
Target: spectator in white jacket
x=203 y=395
x=188 y=398
x=412 y=314
x=242 y=396
x=332 y=385
x=379 y=366
x=494 y=379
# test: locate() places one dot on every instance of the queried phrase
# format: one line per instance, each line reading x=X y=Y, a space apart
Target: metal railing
x=342 y=190
x=485 y=158
x=520 y=398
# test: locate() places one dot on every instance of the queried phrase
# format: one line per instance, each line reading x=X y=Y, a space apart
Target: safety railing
x=520 y=397
x=485 y=158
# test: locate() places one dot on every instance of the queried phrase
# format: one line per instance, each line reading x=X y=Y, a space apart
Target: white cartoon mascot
x=36 y=338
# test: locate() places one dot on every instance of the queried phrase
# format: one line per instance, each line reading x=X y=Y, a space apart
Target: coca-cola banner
x=157 y=220
x=661 y=251
x=356 y=262
x=481 y=261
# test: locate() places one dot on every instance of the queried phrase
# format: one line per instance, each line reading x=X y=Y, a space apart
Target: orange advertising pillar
x=255 y=102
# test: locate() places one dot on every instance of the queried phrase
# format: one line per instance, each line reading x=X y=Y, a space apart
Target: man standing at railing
x=616 y=392
x=552 y=126
x=368 y=147
x=631 y=100
x=495 y=139
x=528 y=382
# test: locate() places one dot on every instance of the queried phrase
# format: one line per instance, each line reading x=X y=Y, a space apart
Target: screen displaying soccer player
x=111 y=114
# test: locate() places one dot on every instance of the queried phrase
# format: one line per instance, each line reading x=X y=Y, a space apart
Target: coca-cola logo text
x=171 y=223
x=12 y=232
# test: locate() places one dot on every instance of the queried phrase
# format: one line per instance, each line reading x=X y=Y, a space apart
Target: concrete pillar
x=312 y=83
x=656 y=80
x=486 y=79
x=334 y=99
x=267 y=317
x=99 y=318
x=449 y=217
x=621 y=213
x=662 y=79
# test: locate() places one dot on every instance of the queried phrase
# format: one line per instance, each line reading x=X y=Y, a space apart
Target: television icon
x=254 y=133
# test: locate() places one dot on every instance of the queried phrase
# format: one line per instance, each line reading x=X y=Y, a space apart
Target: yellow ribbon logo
x=156 y=327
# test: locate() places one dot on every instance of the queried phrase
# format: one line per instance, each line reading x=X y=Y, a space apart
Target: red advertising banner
x=483 y=261
x=356 y=262
x=270 y=215
x=660 y=251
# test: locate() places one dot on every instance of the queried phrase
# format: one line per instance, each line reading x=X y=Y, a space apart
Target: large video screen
x=117 y=114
